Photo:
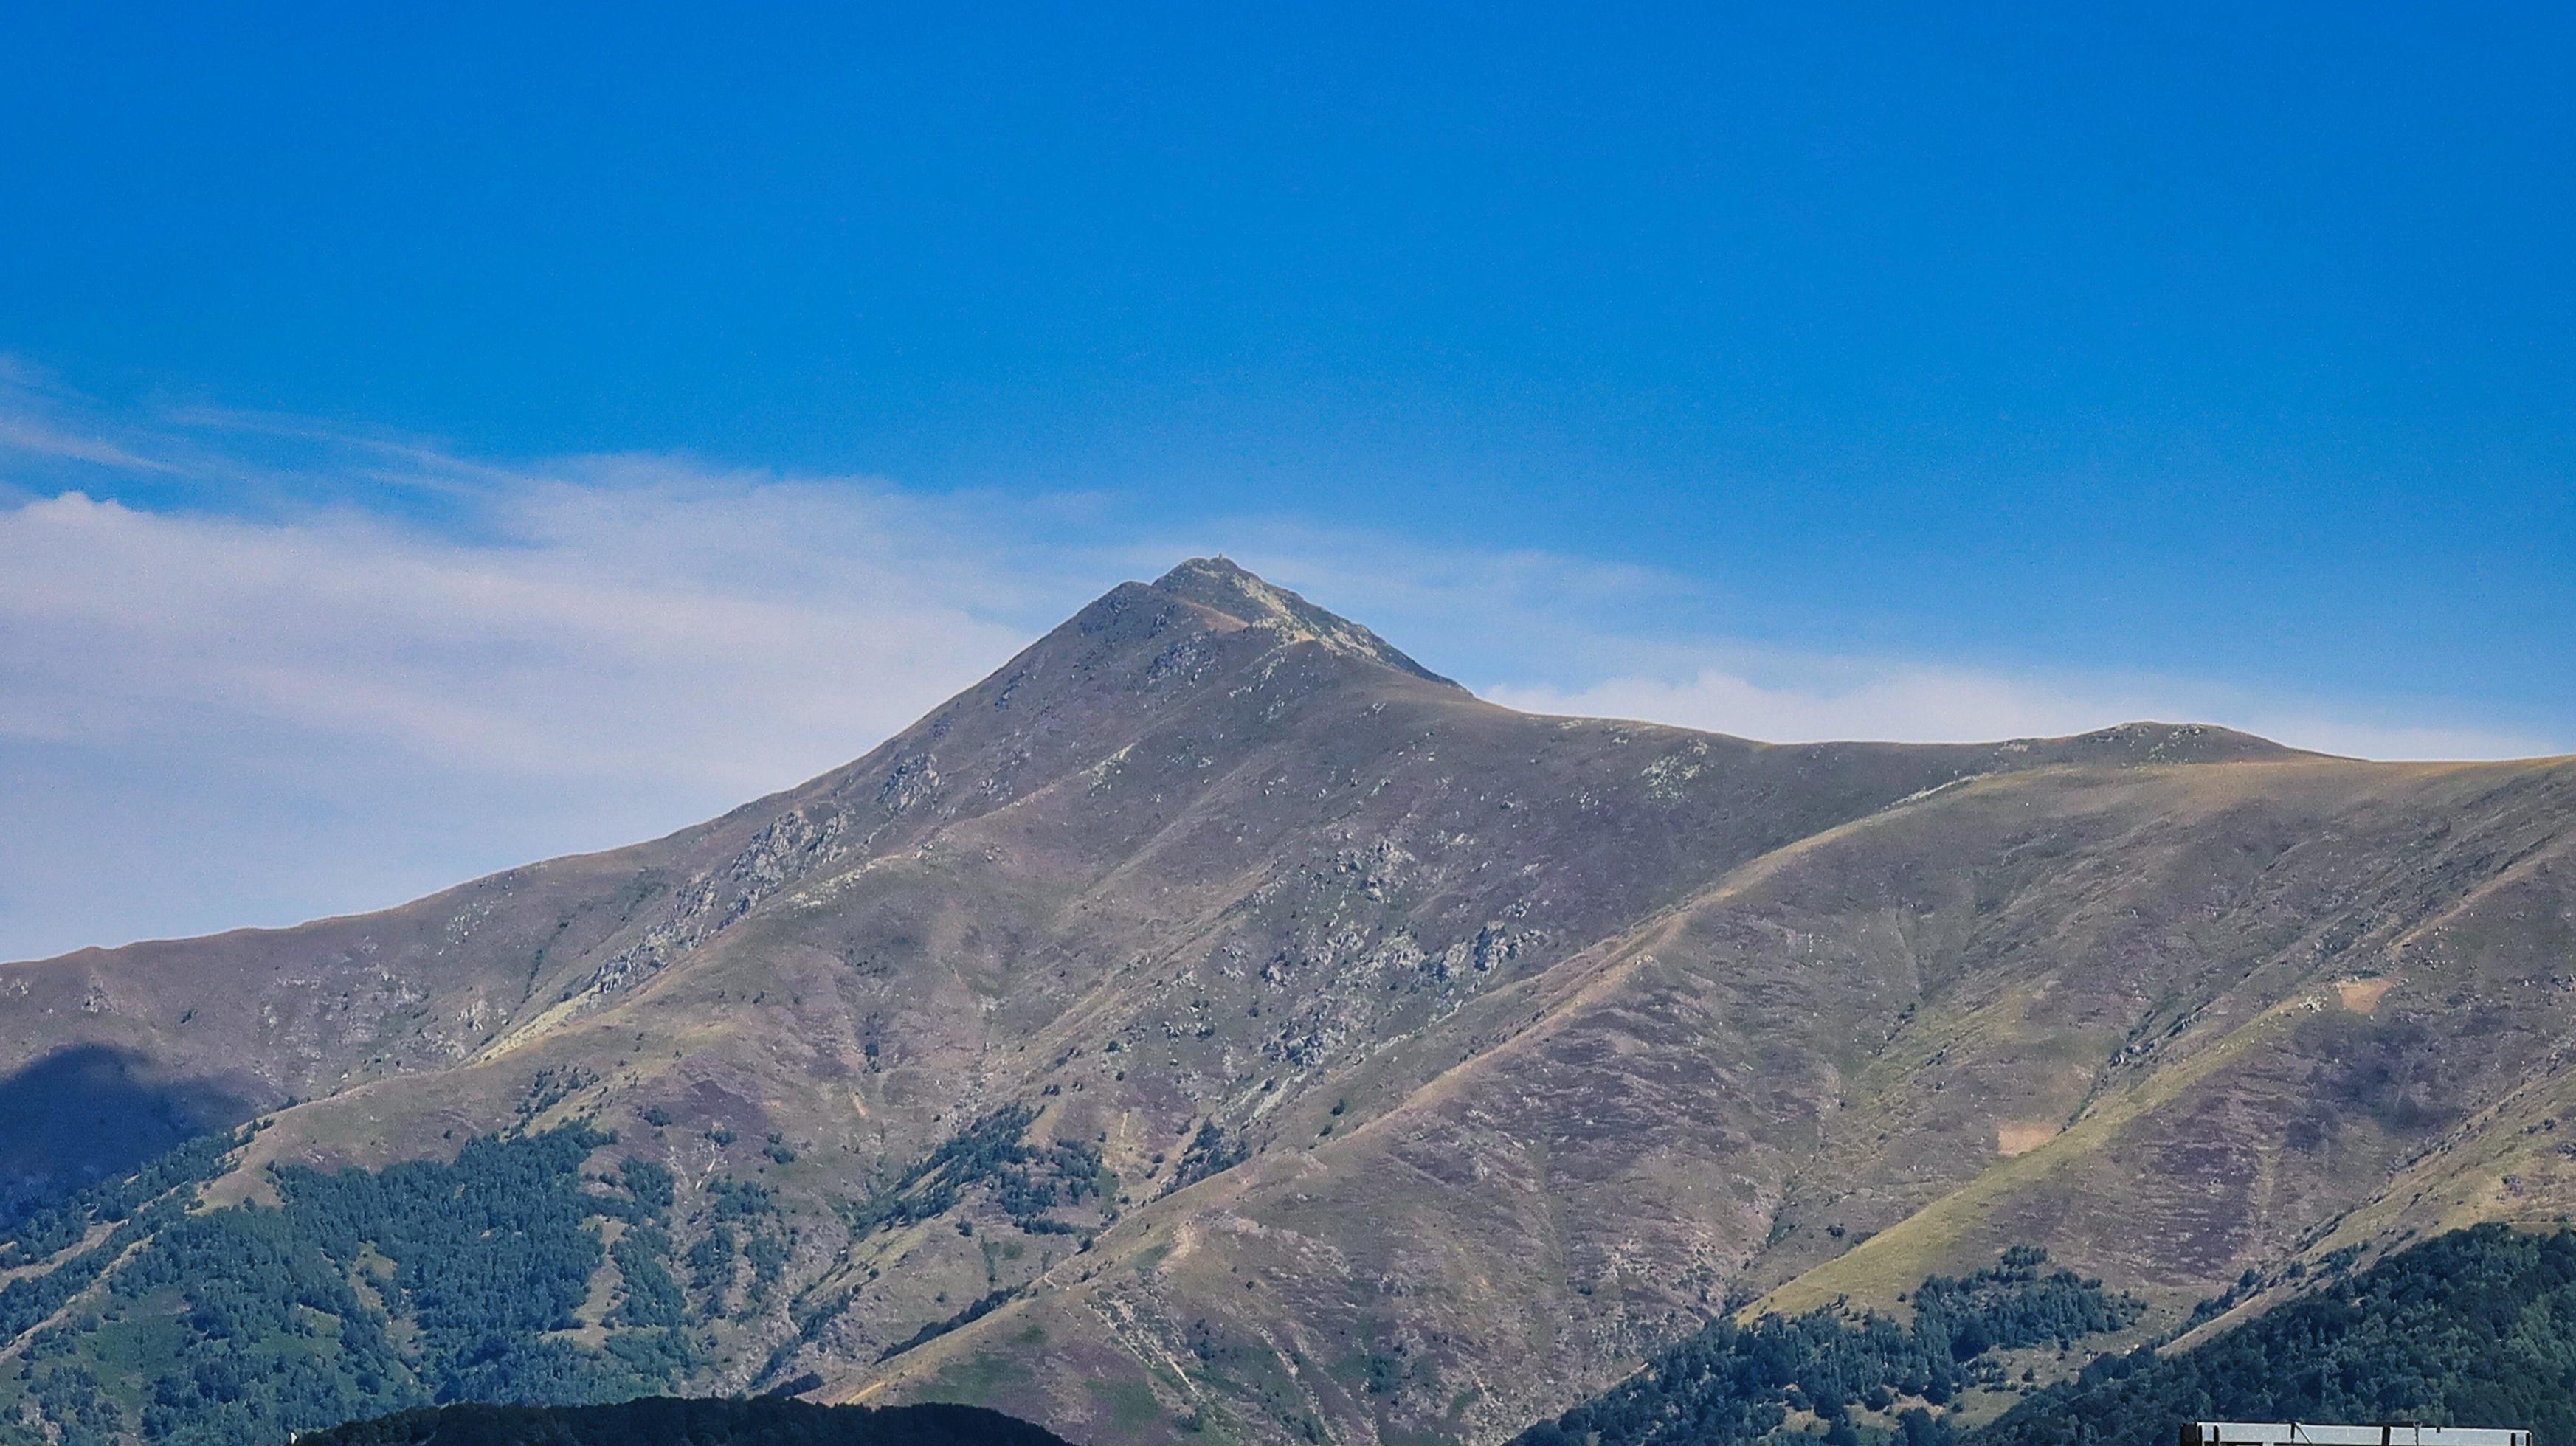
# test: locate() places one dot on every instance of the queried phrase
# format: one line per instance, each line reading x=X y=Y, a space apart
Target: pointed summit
x=1221 y=586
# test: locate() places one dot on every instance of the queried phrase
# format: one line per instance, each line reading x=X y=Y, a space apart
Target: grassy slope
x=2184 y=938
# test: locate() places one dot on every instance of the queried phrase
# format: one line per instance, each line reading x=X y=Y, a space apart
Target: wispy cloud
x=254 y=669
x=719 y=632
x=43 y=422
x=31 y=437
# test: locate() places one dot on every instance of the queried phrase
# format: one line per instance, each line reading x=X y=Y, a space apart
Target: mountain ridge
x=1229 y=591
x=1508 y=1045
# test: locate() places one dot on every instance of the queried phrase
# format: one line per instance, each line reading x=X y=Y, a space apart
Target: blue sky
x=1801 y=372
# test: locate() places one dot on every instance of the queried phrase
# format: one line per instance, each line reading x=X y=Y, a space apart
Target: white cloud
x=32 y=436
x=724 y=636
x=358 y=668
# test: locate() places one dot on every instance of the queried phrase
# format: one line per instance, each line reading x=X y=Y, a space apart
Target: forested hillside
x=552 y=1267
x=363 y=1292
x=2476 y=1327
x=549 y=1268
x=1732 y=1383
x=2473 y=1328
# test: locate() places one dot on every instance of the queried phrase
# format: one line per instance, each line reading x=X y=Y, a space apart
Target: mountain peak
x=1219 y=585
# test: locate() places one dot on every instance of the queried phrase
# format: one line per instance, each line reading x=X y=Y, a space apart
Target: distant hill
x=1215 y=1025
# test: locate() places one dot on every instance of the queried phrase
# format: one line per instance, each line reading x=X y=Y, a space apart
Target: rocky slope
x=1423 y=1064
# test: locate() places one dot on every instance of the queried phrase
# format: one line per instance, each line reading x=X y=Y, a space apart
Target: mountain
x=1214 y=1021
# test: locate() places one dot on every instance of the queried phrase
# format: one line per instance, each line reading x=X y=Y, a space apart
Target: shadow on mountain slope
x=89 y=1111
